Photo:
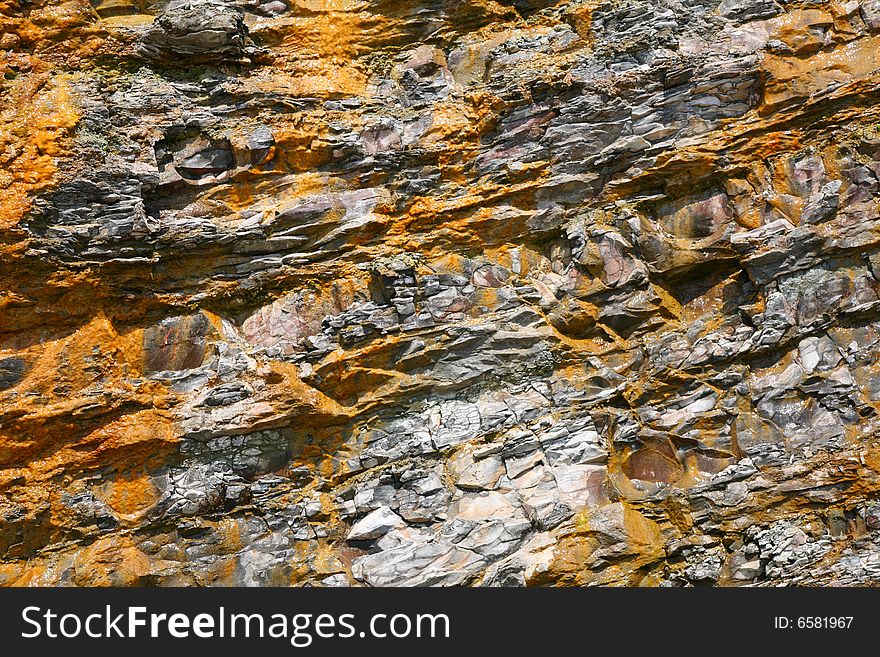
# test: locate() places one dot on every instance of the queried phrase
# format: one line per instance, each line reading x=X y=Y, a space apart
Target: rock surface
x=491 y=293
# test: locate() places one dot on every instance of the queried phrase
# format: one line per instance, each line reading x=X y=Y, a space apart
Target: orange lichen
x=111 y=561
x=35 y=125
x=63 y=15
x=643 y=534
x=130 y=494
x=791 y=77
x=300 y=145
x=315 y=47
x=800 y=29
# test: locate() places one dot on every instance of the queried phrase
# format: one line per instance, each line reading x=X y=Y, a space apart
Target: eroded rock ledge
x=371 y=292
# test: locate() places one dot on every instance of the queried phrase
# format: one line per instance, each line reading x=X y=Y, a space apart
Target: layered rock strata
x=385 y=293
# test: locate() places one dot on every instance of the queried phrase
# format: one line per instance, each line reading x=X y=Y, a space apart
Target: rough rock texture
x=373 y=292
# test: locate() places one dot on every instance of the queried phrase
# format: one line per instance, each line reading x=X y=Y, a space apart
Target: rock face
x=393 y=293
x=197 y=30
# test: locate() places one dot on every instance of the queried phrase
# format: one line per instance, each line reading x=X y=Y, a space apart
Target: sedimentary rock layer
x=385 y=292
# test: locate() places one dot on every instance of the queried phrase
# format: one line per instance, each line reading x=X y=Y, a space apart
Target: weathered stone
x=375 y=524
x=196 y=30
x=488 y=293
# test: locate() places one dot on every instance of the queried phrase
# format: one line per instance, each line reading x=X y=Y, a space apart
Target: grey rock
x=196 y=30
x=375 y=524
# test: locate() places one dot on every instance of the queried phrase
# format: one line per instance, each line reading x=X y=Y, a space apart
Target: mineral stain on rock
x=496 y=293
x=176 y=343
